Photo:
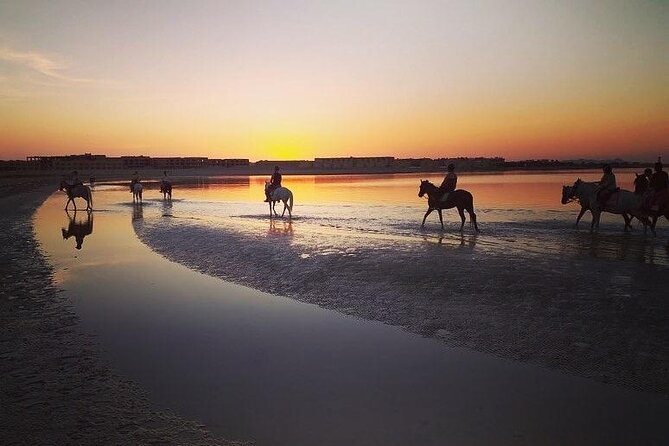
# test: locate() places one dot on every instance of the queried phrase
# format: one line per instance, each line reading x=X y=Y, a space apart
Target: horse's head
x=569 y=192
x=423 y=188
x=63 y=185
x=66 y=235
x=566 y=194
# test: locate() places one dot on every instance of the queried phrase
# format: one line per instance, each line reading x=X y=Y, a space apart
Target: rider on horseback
x=607 y=186
x=74 y=179
x=134 y=180
x=449 y=183
x=659 y=184
x=165 y=180
x=274 y=183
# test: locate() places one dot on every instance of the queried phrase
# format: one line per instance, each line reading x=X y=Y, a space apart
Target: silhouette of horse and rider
x=274 y=193
x=77 y=228
x=447 y=196
x=648 y=202
x=75 y=188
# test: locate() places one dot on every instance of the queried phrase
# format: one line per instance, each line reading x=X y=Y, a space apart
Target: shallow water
x=520 y=212
x=254 y=366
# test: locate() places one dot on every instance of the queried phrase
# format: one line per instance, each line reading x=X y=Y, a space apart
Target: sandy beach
x=55 y=387
x=482 y=338
x=590 y=317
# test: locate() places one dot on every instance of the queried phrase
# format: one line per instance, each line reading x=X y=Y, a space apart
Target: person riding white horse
x=274 y=183
x=279 y=194
x=605 y=188
x=627 y=203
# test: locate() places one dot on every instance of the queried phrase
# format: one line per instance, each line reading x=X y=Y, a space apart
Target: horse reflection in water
x=137 y=211
x=286 y=228
x=78 y=228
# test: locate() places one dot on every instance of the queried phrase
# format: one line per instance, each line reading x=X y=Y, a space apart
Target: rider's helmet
x=276 y=168
x=451 y=167
x=658 y=164
x=607 y=168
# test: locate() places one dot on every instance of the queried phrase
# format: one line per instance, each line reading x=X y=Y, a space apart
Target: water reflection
x=137 y=211
x=78 y=228
x=166 y=208
x=285 y=228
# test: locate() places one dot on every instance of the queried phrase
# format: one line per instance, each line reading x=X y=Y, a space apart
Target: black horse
x=166 y=189
x=459 y=198
x=77 y=191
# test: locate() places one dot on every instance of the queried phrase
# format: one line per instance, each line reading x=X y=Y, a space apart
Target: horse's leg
x=429 y=211
x=580 y=215
x=627 y=219
x=595 y=219
x=441 y=219
x=67 y=203
x=461 y=211
x=284 y=209
x=472 y=217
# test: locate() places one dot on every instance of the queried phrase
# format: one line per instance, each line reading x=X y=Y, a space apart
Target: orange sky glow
x=298 y=80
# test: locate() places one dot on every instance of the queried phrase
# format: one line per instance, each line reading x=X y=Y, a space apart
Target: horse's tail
x=290 y=201
x=470 y=211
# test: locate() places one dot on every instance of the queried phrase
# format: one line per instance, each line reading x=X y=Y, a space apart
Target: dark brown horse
x=459 y=198
x=78 y=190
x=166 y=189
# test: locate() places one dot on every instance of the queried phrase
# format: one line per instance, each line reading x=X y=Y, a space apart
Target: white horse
x=621 y=202
x=280 y=194
x=78 y=190
x=136 y=189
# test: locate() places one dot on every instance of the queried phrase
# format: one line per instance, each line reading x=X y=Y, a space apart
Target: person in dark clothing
x=642 y=182
x=449 y=183
x=659 y=186
x=607 y=185
x=74 y=179
x=274 y=183
x=659 y=180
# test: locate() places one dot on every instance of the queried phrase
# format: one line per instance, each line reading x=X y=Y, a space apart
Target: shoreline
x=55 y=387
x=189 y=173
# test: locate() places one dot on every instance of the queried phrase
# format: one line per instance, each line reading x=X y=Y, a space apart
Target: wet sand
x=576 y=307
x=266 y=368
x=55 y=388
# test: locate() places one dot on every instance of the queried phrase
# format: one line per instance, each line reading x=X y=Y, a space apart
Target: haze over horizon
x=296 y=80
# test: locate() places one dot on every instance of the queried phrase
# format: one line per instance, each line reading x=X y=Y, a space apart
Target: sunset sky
x=298 y=79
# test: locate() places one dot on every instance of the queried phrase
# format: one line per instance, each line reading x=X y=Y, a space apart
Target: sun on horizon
x=288 y=80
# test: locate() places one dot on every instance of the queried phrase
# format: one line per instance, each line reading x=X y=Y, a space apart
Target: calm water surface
x=253 y=366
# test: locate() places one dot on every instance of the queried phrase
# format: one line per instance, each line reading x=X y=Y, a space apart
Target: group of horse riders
x=165 y=181
x=653 y=185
